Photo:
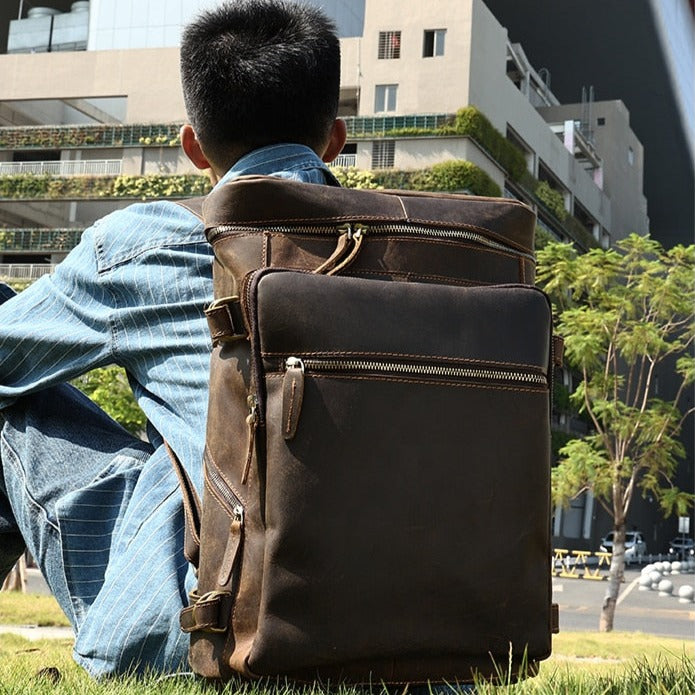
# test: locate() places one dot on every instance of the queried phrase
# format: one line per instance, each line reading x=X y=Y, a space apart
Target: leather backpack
x=376 y=505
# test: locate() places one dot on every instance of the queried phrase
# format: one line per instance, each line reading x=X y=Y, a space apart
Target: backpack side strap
x=192 y=510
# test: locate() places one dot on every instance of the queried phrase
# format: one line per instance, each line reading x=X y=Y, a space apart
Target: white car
x=681 y=548
x=635 y=546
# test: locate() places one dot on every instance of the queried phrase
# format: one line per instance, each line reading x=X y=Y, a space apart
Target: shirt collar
x=280 y=159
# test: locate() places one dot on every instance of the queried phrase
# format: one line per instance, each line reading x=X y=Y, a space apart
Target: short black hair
x=259 y=72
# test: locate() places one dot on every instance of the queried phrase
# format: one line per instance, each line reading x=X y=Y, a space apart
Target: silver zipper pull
x=292 y=396
x=252 y=422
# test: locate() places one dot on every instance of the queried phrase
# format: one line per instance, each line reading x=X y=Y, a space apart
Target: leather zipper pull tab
x=252 y=422
x=356 y=236
x=340 y=249
x=232 y=549
x=292 y=396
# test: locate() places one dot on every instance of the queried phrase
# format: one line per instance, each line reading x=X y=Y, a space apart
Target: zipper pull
x=252 y=422
x=292 y=396
x=356 y=235
x=340 y=249
x=232 y=549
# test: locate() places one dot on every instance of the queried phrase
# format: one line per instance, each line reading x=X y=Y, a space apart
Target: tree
x=627 y=315
x=108 y=387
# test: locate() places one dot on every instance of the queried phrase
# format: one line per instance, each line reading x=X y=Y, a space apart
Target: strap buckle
x=205 y=612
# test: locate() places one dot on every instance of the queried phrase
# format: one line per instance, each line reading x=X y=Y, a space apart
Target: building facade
x=89 y=123
x=444 y=56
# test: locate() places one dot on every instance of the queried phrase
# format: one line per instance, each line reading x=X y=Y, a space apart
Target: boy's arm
x=56 y=329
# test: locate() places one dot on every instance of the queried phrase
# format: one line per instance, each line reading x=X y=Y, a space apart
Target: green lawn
x=29 y=609
x=582 y=664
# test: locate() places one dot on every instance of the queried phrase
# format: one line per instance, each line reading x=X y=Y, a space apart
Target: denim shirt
x=132 y=293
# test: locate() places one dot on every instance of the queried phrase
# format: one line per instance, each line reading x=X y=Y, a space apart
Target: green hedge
x=455 y=175
x=471 y=122
x=452 y=175
x=25 y=186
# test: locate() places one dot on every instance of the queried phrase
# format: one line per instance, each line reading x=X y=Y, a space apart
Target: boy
x=98 y=509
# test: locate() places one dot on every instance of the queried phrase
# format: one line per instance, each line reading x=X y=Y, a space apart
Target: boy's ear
x=336 y=141
x=191 y=146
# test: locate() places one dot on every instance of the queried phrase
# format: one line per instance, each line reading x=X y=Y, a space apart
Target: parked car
x=681 y=548
x=635 y=545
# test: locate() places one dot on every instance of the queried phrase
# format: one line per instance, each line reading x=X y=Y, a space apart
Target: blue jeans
x=53 y=444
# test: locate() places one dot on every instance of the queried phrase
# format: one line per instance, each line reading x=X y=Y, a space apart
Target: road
x=644 y=611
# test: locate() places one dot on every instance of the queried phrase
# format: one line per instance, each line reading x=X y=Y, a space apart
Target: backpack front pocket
x=406 y=474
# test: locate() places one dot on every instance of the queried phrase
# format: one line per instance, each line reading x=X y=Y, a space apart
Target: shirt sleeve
x=58 y=328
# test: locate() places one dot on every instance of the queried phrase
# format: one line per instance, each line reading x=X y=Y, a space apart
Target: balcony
x=24 y=271
x=366 y=126
x=81 y=167
x=344 y=160
x=167 y=134
x=81 y=136
x=47 y=240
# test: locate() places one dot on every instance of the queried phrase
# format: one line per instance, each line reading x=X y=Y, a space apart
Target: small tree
x=625 y=314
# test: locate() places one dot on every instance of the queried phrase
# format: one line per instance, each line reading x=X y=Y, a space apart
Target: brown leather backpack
x=376 y=503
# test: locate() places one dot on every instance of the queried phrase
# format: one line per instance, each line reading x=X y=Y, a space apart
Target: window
x=385 y=96
x=433 y=43
x=630 y=156
x=601 y=120
x=389 y=45
x=383 y=153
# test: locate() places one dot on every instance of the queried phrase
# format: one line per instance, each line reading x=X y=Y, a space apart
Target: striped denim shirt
x=131 y=293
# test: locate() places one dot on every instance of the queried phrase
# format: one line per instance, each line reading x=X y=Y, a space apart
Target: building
x=642 y=52
x=91 y=124
x=391 y=68
x=639 y=51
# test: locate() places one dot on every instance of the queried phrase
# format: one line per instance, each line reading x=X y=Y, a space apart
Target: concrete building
x=443 y=56
x=107 y=103
x=641 y=52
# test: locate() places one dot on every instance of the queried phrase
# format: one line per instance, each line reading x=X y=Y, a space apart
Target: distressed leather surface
x=401 y=532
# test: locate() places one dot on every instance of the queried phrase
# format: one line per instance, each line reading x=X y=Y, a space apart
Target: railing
x=25 y=271
x=63 y=239
x=71 y=136
x=376 y=125
x=344 y=160
x=167 y=134
x=81 y=167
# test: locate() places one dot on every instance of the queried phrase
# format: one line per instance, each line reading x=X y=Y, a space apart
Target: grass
x=582 y=664
x=30 y=609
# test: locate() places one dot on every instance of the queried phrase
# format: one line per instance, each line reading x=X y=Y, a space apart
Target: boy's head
x=258 y=72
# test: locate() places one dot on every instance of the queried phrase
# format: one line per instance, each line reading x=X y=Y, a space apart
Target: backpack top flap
x=281 y=201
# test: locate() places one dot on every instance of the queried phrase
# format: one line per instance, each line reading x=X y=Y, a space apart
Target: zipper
x=295 y=369
x=234 y=506
x=376 y=229
x=223 y=492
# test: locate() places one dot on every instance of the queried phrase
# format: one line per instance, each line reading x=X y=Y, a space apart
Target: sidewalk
x=34 y=632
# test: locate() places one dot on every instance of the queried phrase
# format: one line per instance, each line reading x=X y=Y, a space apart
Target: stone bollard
x=665 y=587
x=686 y=594
x=645 y=582
x=676 y=567
x=655 y=577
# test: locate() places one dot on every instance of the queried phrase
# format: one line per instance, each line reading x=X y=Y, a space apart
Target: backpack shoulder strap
x=194 y=205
